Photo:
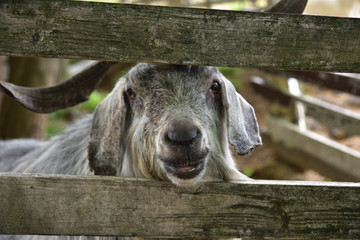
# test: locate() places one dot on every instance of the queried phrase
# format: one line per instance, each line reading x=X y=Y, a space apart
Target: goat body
x=63 y=154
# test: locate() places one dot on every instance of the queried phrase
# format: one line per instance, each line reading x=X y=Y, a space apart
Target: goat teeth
x=186 y=168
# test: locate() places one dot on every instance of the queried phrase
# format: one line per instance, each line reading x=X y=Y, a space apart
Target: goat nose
x=182 y=133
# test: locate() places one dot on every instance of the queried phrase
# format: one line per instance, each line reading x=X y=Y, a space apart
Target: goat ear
x=107 y=133
x=243 y=129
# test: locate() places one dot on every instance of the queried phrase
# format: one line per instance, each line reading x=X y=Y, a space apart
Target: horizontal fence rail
x=310 y=150
x=136 y=33
x=93 y=205
x=334 y=81
x=323 y=111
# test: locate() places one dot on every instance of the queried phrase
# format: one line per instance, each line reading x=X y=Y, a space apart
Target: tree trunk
x=16 y=121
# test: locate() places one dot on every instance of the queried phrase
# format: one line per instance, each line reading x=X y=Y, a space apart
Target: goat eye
x=215 y=87
x=131 y=93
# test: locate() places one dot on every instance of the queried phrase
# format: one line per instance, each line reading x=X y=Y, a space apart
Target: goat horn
x=288 y=6
x=68 y=93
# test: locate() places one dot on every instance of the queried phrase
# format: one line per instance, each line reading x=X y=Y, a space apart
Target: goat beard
x=146 y=161
x=142 y=150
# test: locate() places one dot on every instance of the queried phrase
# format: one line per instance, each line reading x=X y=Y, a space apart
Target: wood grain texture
x=92 y=205
x=134 y=33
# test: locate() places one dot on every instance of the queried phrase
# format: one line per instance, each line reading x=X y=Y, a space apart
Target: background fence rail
x=312 y=151
x=331 y=114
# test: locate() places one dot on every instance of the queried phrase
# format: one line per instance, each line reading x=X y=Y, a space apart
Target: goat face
x=178 y=113
x=172 y=123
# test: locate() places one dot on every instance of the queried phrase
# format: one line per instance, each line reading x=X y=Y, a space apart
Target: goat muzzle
x=184 y=154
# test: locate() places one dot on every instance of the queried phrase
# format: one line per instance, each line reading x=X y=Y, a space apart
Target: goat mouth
x=186 y=171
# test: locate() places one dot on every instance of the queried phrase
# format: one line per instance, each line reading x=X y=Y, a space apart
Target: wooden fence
x=95 y=205
x=304 y=147
x=92 y=205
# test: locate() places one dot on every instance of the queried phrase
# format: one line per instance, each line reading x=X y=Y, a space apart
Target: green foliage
x=234 y=75
x=248 y=172
x=57 y=122
x=61 y=118
x=55 y=128
x=227 y=70
x=95 y=98
x=71 y=61
x=236 y=6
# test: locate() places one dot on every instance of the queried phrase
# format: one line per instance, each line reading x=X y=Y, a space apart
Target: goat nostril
x=182 y=135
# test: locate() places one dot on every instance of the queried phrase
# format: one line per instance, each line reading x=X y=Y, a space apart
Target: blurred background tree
x=16 y=121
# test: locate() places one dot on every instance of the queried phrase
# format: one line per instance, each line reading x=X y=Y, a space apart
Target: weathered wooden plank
x=135 y=33
x=92 y=205
x=324 y=112
x=310 y=150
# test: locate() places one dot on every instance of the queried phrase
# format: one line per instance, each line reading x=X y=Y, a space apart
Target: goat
x=167 y=122
x=162 y=122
